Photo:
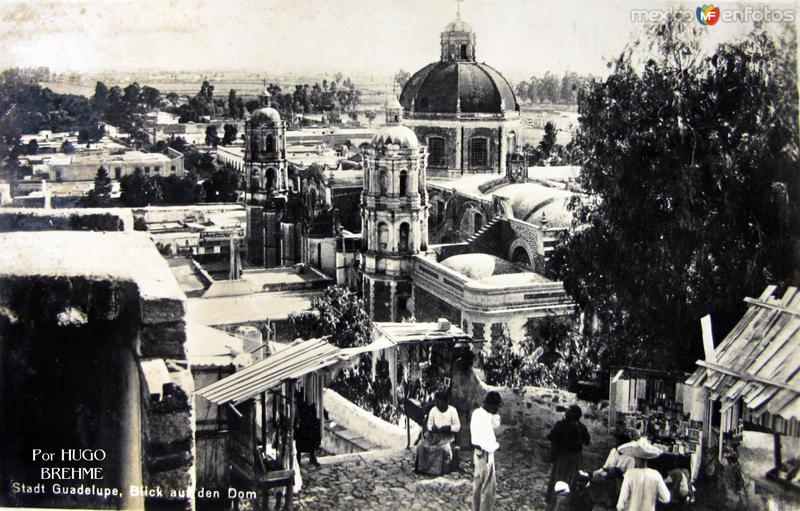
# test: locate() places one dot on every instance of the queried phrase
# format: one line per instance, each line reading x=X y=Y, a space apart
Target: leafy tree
x=33 y=147
x=212 y=138
x=180 y=190
x=690 y=166
x=337 y=313
x=173 y=98
x=100 y=195
x=178 y=144
x=67 y=147
x=138 y=190
x=229 y=136
x=233 y=108
x=548 y=142
x=370 y=115
x=401 y=78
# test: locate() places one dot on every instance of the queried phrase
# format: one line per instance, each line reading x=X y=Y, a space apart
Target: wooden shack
x=261 y=409
x=752 y=383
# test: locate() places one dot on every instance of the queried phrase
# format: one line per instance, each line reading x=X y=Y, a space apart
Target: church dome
x=479 y=266
x=452 y=87
x=398 y=135
x=266 y=114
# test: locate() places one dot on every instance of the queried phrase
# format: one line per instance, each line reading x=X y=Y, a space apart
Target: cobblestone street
x=388 y=481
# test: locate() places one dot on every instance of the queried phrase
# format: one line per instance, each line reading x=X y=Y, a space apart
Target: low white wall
x=365 y=424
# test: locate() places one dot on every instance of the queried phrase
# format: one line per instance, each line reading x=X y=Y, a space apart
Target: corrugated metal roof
x=292 y=362
x=759 y=361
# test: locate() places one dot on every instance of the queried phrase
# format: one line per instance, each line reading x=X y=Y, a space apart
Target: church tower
x=394 y=216
x=266 y=185
x=265 y=152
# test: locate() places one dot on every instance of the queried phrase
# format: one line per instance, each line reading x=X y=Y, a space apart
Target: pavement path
x=387 y=481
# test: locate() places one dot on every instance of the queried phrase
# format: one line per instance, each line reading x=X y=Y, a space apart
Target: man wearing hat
x=482 y=425
x=641 y=486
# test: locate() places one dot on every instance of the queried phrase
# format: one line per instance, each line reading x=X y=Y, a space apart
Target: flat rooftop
x=229 y=310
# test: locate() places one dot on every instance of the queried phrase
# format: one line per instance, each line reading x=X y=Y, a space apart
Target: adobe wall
x=529 y=414
x=114 y=284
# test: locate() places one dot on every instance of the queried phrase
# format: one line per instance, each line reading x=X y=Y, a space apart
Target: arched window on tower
x=403 y=183
x=383 y=236
x=270 y=178
x=403 y=238
x=254 y=144
x=383 y=183
x=270 y=144
x=464 y=51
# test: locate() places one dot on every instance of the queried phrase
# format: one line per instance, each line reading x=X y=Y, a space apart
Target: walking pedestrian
x=482 y=425
x=567 y=439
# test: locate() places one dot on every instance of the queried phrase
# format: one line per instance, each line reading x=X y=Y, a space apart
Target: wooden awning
x=759 y=361
x=292 y=362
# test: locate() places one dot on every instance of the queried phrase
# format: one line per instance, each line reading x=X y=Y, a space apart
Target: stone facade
x=394 y=217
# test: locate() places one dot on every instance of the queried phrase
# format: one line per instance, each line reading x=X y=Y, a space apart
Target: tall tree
x=401 y=78
x=337 y=313
x=229 y=135
x=233 y=108
x=212 y=138
x=690 y=169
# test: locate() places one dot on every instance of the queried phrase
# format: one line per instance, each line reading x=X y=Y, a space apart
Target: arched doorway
x=520 y=256
x=478 y=221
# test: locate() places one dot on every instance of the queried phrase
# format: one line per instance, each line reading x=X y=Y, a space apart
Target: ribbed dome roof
x=399 y=135
x=437 y=88
x=457 y=25
x=266 y=114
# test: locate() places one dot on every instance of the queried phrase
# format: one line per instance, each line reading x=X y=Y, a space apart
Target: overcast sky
x=518 y=37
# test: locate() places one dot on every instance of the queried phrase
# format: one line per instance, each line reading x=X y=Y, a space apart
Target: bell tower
x=394 y=217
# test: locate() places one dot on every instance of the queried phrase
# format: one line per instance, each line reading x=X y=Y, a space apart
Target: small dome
x=399 y=135
x=479 y=266
x=266 y=114
x=457 y=25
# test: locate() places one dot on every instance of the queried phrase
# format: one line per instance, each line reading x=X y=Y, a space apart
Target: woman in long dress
x=435 y=452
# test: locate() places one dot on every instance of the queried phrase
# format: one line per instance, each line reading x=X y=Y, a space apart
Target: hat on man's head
x=493 y=398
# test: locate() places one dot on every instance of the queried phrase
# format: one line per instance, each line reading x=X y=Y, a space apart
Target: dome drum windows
x=436 y=152
x=478 y=152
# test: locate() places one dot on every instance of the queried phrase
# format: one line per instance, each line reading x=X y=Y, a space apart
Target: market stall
x=752 y=383
x=260 y=403
x=661 y=407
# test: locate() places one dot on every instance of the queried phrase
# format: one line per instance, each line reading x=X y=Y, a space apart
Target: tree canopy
x=337 y=313
x=690 y=168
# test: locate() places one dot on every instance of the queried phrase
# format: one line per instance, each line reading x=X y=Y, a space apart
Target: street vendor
x=435 y=451
x=641 y=486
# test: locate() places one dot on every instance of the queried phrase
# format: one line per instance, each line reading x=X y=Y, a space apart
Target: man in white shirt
x=443 y=418
x=641 y=487
x=482 y=425
x=435 y=452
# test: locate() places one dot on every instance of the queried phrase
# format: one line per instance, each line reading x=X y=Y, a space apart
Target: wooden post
x=776 y=438
x=289 y=502
x=264 y=421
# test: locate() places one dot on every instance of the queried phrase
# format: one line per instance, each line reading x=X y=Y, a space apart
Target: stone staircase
x=483 y=230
